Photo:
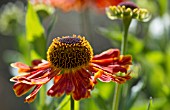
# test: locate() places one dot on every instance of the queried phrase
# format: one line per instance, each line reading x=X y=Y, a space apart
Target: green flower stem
x=42 y=95
x=126 y=24
x=150 y=104
x=116 y=97
x=72 y=103
x=41 y=102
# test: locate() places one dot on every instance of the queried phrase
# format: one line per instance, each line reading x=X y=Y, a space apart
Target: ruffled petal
x=100 y=74
x=104 y=62
x=97 y=75
x=108 y=64
x=121 y=79
x=107 y=77
x=43 y=65
x=111 y=53
x=21 y=67
x=125 y=60
x=36 y=62
x=36 y=76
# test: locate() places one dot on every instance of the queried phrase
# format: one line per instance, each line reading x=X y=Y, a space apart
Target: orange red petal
x=21 y=67
x=30 y=98
x=79 y=5
x=76 y=83
x=102 y=4
x=111 y=53
x=21 y=88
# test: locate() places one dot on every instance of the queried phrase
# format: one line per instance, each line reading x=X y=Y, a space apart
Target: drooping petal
x=70 y=86
x=21 y=88
x=83 y=84
x=57 y=78
x=80 y=90
x=77 y=83
x=39 y=74
x=30 y=98
x=59 y=87
x=85 y=78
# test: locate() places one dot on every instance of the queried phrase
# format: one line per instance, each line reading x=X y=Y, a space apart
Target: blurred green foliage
x=151 y=57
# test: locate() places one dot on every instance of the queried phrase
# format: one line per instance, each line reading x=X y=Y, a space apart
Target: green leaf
x=100 y=102
x=163 y=6
x=155 y=57
x=89 y=104
x=35 y=34
x=24 y=48
x=39 y=46
x=140 y=105
x=115 y=37
x=42 y=96
x=135 y=45
x=167 y=61
x=64 y=103
x=33 y=25
x=134 y=93
x=108 y=90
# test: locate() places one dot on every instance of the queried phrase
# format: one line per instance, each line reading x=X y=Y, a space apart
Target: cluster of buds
x=128 y=10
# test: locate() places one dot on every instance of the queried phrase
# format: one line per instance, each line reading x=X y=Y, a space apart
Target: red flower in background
x=68 y=5
x=78 y=5
x=102 y=4
x=65 y=5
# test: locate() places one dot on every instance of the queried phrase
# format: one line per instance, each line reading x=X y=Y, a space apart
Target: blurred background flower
x=78 y=5
x=12 y=18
